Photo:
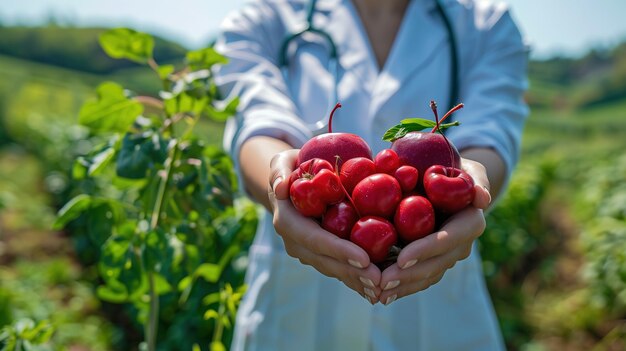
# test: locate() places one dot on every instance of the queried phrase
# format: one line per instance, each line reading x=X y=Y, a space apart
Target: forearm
x=494 y=164
x=254 y=159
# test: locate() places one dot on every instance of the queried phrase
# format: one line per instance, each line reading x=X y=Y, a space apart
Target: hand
x=305 y=240
x=423 y=262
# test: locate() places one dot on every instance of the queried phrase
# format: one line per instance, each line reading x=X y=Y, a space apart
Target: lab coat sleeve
x=250 y=39
x=492 y=89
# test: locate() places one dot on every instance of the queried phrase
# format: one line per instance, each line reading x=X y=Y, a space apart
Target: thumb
x=482 y=199
x=280 y=186
x=281 y=166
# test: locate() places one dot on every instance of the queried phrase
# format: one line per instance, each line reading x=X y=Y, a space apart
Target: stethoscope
x=333 y=66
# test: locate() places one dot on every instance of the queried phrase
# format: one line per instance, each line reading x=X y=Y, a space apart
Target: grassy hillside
x=75 y=48
x=578 y=83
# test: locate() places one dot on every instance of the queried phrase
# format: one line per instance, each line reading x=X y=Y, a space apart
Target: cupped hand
x=423 y=262
x=305 y=240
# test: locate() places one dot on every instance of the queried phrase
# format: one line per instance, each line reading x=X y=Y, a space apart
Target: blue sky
x=552 y=27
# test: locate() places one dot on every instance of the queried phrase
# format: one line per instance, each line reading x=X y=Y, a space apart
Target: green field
x=539 y=250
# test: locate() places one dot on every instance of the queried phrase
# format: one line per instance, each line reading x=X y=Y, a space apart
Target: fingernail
x=391 y=299
x=411 y=263
x=367 y=282
x=370 y=293
x=276 y=182
x=369 y=299
x=488 y=193
x=392 y=284
x=355 y=264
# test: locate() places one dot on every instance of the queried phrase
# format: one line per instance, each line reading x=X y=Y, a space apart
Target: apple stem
x=330 y=119
x=452 y=110
x=433 y=106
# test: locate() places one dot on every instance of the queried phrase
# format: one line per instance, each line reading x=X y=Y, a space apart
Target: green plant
x=603 y=209
x=516 y=242
x=26 y=335
x=159 y=205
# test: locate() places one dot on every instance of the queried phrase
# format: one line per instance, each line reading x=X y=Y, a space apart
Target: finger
x=394 y=276
x=306 y=232
x=281 y=166
x=478 y=172
x=419 y=277
x=460 y=229
x=363 y=281
x=387 y=297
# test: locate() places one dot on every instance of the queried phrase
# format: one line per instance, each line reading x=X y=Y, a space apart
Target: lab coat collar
x=420 y=35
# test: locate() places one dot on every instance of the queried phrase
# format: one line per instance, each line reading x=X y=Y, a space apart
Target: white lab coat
x=290 y=306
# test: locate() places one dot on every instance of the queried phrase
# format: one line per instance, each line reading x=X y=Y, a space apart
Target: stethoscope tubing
x=333 y=65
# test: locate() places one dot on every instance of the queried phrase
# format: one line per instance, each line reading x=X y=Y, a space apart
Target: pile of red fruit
x=385 y=202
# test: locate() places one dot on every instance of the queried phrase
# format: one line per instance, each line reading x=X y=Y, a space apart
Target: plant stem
x=152 y=63
x=219 y=326
x=150 y=101
x=158 y=204
x=153 y=315
x=152 y=323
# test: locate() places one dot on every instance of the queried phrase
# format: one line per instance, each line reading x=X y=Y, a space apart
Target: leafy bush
x=603 y=208
x=515 y=243
x=157 y=209
x=516 y=226
x=25 y=335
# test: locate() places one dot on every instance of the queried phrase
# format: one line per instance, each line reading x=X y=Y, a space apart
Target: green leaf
x=222 y=115
x=419 y=122
x=164 y=71
x=108 y=293
x=209 y=271
x=133 y=160
x=127 y=43
x=72 y=209
x=204 y=58
x=211 y=298
x=112 y=111
x=413 y=125
x=101 y=219
x=161 y=285
x=37 y=334
x=211 y=314
x=101 y=161
x=185 y=283
x=120 y=264
x=217 y=346
x=79 y=169
x=157 y=252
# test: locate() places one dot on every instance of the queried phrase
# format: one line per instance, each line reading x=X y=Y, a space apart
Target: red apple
x=310 y=168
x=375 y=235
x=377 y=195
x=354 y=170
x=414 y=218
x=340 y=218
x=335 y=148
x=387 y=161
x=448 y=189
x=407 y=176
x=311 y=194
x=424 y=149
